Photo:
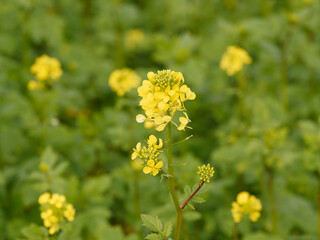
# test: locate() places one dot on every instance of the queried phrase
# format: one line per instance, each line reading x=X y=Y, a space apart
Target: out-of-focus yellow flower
x=153 y=167
x=246 y=204
x=69 y=212
x=205 y=172
x=123 y=80
x=149 y=155
x=46 y=68
x=163 y=94
x=233 y=60
x=44 y=198
x=34 y=85
x=133 y=38
x=53 y=210
x=137 y=164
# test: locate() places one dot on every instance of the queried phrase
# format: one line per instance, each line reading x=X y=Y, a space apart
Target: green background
x=259 y=129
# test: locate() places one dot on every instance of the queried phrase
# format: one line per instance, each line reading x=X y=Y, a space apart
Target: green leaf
x=49 y=157
x=187 y=190
x=167 y=228
x=152 y=222
x=34 y=232
x=154 y=236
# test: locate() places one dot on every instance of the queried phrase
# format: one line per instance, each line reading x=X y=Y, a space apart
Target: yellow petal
x=150 y=163
x=159 y=164
x=147 y=169
x=155 y=172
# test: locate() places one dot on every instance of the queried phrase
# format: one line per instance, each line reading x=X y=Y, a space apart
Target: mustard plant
x=163 y=96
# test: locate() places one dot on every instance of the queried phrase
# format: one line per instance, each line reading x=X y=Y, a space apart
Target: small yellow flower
x=137 y=164
x=148 y=155
x=152 y=167
x=246 y=204
x=34 y=85
x=184 y=121
x=205 y=172
x=233 y=60
x=44 y=198
x=123 y=80
x=46 y=68
x=133 y=38
x=69 y=212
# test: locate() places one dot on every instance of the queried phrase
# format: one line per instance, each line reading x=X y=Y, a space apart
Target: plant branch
x=191 y=196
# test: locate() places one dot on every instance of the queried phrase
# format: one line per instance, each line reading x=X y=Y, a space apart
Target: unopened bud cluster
x=205 y=172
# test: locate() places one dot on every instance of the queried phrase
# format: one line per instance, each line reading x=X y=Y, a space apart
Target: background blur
x=73 y=138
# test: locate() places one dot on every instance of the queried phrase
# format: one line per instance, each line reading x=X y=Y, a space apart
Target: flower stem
x=191 y=196
x=270 y=186
x=318 y=206
x=236 y=233
x=172 y=184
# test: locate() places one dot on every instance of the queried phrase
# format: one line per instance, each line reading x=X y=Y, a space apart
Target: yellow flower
x=163 y=94
x=133 y=38
x=53 y=210
x=205 y=172
x=46 y=68
x=246 y=204
x=123 y=80
x=34 y=85
x=233 y=60
x=148 y=155
x=184 y=121
x=152 y=167
x=44 y=198
x=69 y=212
x=136 y=164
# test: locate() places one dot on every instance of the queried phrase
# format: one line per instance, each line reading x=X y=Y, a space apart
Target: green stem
x=172 y=184
x=270 y=185
x=136 y=196
x=318 y=206
x=236 y=232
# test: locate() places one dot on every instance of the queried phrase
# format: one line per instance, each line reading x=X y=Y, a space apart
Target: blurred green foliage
x=76 y=137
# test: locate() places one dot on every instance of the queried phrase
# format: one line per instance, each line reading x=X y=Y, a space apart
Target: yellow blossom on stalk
x=54 y=209
x=149 y=155
x=163 y=94
x=233 y=60
x=46 y=68
x=123 y=80
x=205 y=172
x=246 y=204
x=133 y=38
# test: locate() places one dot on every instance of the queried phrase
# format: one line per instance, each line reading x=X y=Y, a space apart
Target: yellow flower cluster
x=246 y=204
x=233 y=60
x=123 y=80
x=45 y=68
x=162 y=95
x=54 y=209
x=205 y=172
x=149 y=155
x=133 y=38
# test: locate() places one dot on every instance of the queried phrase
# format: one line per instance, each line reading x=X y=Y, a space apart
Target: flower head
x=233 y=60
x=163 y=94
x=46 y=68
x=149 y=155
x=205 y=172
x=246 y=204
x=54 y=209
x=123 y=80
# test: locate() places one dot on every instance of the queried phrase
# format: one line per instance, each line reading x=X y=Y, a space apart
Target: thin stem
x=191 y=196
x=236 y=232
x=318 y=206
x=171 y=183
x=270 y=185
